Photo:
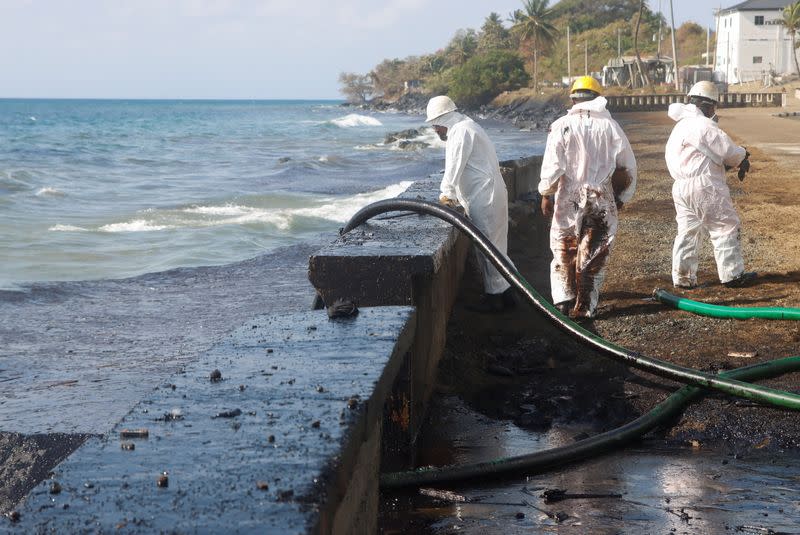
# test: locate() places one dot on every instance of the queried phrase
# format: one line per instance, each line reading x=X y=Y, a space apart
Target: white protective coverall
x=697 y=152
x=472 y=176
x=583 y=150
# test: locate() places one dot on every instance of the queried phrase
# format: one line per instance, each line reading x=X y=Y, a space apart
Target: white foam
x=66 y=228
x=354 y=119
x=341 y=210
x=137 y=225
x=226 y=210
x=51 y=192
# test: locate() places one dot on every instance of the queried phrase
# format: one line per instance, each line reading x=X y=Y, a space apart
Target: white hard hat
x=438 y=106
x=706 y=90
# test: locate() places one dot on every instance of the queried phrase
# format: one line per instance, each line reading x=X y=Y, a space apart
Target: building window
x=759 y=20
x=757 y=59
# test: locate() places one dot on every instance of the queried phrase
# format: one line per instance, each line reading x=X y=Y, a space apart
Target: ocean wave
x=50 y=192
x=66 y=228
x=225 y=210
x=341 y=210
x=137 y=225
x=354 y=119
x=285 y=214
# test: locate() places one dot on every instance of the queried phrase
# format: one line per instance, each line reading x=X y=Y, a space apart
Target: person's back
x=480 y=183
x=586 y=149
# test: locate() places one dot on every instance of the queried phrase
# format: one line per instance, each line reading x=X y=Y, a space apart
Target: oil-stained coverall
x=697 y=152
x=584 y=148
x=472 y=176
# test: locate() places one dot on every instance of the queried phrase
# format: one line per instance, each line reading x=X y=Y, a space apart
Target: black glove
x=744 y=167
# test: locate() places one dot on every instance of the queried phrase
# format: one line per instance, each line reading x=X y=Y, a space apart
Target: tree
x=493 y=36
x=791 y=21
x=355 y=87
x=534 y=28
x=462 y=46
x=484 y=77
x=642 y=71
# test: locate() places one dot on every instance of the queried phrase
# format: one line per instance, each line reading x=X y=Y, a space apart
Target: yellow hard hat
x=585 y=83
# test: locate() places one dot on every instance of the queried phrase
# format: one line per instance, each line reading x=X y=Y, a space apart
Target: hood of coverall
x=448 y=120
x=596 y=106
x=679 y=110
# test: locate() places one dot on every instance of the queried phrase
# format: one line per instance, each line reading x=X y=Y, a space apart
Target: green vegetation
x=530 y=48
x=482 y=77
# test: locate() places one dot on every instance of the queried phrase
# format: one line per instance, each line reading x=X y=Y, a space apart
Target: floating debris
x=215 y=376
x=128 y=446
x=262 y=485
x=55 y=487
x=228 y=414
x=163 y=480
x=134 y=433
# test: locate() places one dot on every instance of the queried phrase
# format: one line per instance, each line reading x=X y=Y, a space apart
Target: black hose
x=756 y=393
x=589 y=447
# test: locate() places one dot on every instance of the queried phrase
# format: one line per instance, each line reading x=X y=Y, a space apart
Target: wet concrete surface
x=76 y=356
x=649 y=488
x=256 y=435
x=378 y=262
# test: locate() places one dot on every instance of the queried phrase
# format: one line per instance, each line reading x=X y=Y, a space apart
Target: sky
x=230 y=49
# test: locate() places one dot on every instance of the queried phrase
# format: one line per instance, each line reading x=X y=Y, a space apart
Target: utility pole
x=619 y=43
x=660 y=16
x=716 y=36
x=569 y=59
x=586 y=58
x=708 y=40
x=674 y=48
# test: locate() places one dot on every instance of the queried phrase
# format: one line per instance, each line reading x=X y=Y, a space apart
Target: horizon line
x=232 y=99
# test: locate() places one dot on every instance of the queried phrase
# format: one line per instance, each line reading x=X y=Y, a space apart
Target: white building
x=751 y=42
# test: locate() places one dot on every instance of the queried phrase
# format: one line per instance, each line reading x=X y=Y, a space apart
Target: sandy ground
x=767 y=202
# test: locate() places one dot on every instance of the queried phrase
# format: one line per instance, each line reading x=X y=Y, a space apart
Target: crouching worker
x=698 y=152
x=588 y=173
x=472 y=178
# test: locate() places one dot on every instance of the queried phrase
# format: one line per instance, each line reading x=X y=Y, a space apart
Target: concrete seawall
x=292 y=434
x=622 y=103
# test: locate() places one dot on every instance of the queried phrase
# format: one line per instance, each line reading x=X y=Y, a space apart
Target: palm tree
x=532 y=25
x=791 y=21
x=493 y=35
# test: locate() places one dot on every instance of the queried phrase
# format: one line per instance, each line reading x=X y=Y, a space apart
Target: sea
x=135 y=233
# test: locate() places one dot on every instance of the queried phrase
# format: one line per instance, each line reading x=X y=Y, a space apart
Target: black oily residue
x=592 y=256
x=110 y=341
x=566 y=262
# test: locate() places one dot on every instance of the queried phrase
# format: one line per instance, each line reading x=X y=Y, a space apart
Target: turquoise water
x=93 y=189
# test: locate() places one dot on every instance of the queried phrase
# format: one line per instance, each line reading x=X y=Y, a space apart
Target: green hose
x=543 y=460
x=719 y=311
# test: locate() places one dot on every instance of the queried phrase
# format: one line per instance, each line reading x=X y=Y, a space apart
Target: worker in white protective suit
x=698 y=153
x=472 y=178
x=588 y=173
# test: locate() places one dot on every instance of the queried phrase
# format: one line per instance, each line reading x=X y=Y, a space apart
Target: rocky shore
x=524 y=113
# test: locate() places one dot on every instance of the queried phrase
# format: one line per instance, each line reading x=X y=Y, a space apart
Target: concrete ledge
x=400 y=259
x=286 y=442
